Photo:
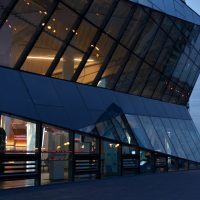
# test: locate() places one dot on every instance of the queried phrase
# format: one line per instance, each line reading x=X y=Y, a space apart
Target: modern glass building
x=96 y=88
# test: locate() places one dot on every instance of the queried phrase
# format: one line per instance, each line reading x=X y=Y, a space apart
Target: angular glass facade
x=96 y=88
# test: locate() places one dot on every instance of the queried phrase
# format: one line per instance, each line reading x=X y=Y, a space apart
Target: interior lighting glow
x=42 y=58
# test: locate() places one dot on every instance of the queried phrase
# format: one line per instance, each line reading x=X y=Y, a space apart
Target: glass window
x=139 y=131
x=128 y=74
x=68 y=63
x=176 y=94
x=172 y=164
x=172 y=133
x=152 y=134
x=3 y=5
x=19 y=28
x=85 y=144
x=179 y=67
x=56 y=154
x=146 y=38
x=164 y=55
x=123 y=130
x=96 y=60
x=17 y=135
x=98 y=10
x=189 y=138
x=164 y=136
x=106 y=129
x=156 y=47
x=182 y=138
x=151 y=84
x=135 y=27
x=141 y=79
x=42 y=54
x=110 y=155
x=146 y=161
x=188 y=66
x=168 y=92
x=61 y=22
x=118 y=18
x=78 y=6
x=166 y=24
x=83 y=36
x=161 y=86
x=108 y=78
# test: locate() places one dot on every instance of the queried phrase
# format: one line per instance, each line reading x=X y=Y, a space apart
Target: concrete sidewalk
x=166 y=186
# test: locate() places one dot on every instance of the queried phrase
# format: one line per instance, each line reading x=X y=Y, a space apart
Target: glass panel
x=174 y=136
x=109 y=76
x=146 y=38
x=61 y=22
x=186 y=71
x=96 y=60
x=56 y=153
x=106 y=129
x=19 y=28
x=110 y=156
x=85 y=144
x=167 y=24
x=189 y=139
x=128 y=74
x=164 y=136
x=182 y=138
x=3 y=5
x=78 y=6
x=152 y=134
x=42 y=54
x=83 y=36
x=161 y=86
x=139 y=131
x=193 y=73
x=156 y=47
x=118 y=18
x=135 y=27
x=68 y=64
x=17 y=135
x=160 y=163
x=168 y=92
x=130 y=160
x=179 y=67
x=140 y=79
x=98 y=10
x=123 y=130
x=182 y=164
x=172 y=164
x=164 y=55
x=146 y=161
x=151 y=84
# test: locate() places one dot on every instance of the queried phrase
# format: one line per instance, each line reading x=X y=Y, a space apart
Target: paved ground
x=167 y=186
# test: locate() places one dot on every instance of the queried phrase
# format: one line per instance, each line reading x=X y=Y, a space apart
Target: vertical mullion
x=94 y=41
x=7 y=12
x=114 y=47
x=39 y=134
x=67 y=40
x=35 y=36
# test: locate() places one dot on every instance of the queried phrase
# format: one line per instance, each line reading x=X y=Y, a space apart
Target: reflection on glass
x=118 y=18
x=139 y=132
x=164 y=136
x=152 y=134
x=110 y=156
x=110 y=74
x=56 y=151
x=172 y=164
x=146 y=161
x=85 y=144
x=98 y=10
